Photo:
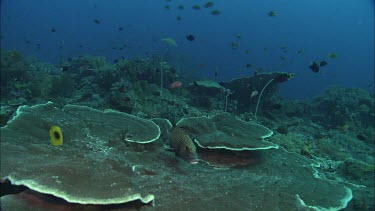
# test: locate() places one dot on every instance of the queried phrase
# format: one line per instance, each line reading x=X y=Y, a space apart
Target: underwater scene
x=254 y=105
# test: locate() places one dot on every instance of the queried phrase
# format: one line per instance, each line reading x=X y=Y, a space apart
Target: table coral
x=94 y=166
x=86 y=169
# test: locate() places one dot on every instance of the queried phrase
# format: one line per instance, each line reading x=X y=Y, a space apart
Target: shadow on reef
x=222 y=158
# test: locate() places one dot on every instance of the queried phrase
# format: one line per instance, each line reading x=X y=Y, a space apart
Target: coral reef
x=338 y=107
x=96 y=166
x=334 y=131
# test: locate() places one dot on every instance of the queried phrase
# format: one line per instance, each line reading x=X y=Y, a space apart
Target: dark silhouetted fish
x=234 y=45
x=65 y=68
x=196 y=7
x=314 y=67
x=209 y=4
x=181 y=7
x=323 y=63
x=216 y=12
x=190 y=37
x=272 y=14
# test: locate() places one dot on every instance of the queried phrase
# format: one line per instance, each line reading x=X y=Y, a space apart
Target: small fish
x=173 y=70
x=314 y=67
x=196 y=7
x=234 y=45
x=283 y=47
x=190 y=37
x=53 y=30
x=249 y=65
x=65 y=68
x=97 y=21
x=167 y=7
x=216 y=12
x=332 y=55
x=120 y=28
x=183 y=145
x=254 y=93
x=323 y=63
x=179 y=18
x=169 y=41
x=175 y=84
x=209 y=4
x=181 y=7
x=272 y=14
x=301 y=51
x=238 y=35
x=282 y=77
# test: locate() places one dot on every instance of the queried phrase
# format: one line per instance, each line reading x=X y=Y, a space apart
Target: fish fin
x=173 y=121
x=168 y=148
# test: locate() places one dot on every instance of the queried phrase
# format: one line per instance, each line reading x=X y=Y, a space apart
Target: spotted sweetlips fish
x=183 y=145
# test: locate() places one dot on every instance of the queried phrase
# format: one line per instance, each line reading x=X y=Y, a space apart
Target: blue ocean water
x=319 y=27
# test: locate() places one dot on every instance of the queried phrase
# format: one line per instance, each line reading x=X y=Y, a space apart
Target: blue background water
x=345 y=27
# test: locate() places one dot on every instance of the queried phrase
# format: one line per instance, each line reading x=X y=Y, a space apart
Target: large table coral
x=87 y=168
x=227 y=132
x=96 y=165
